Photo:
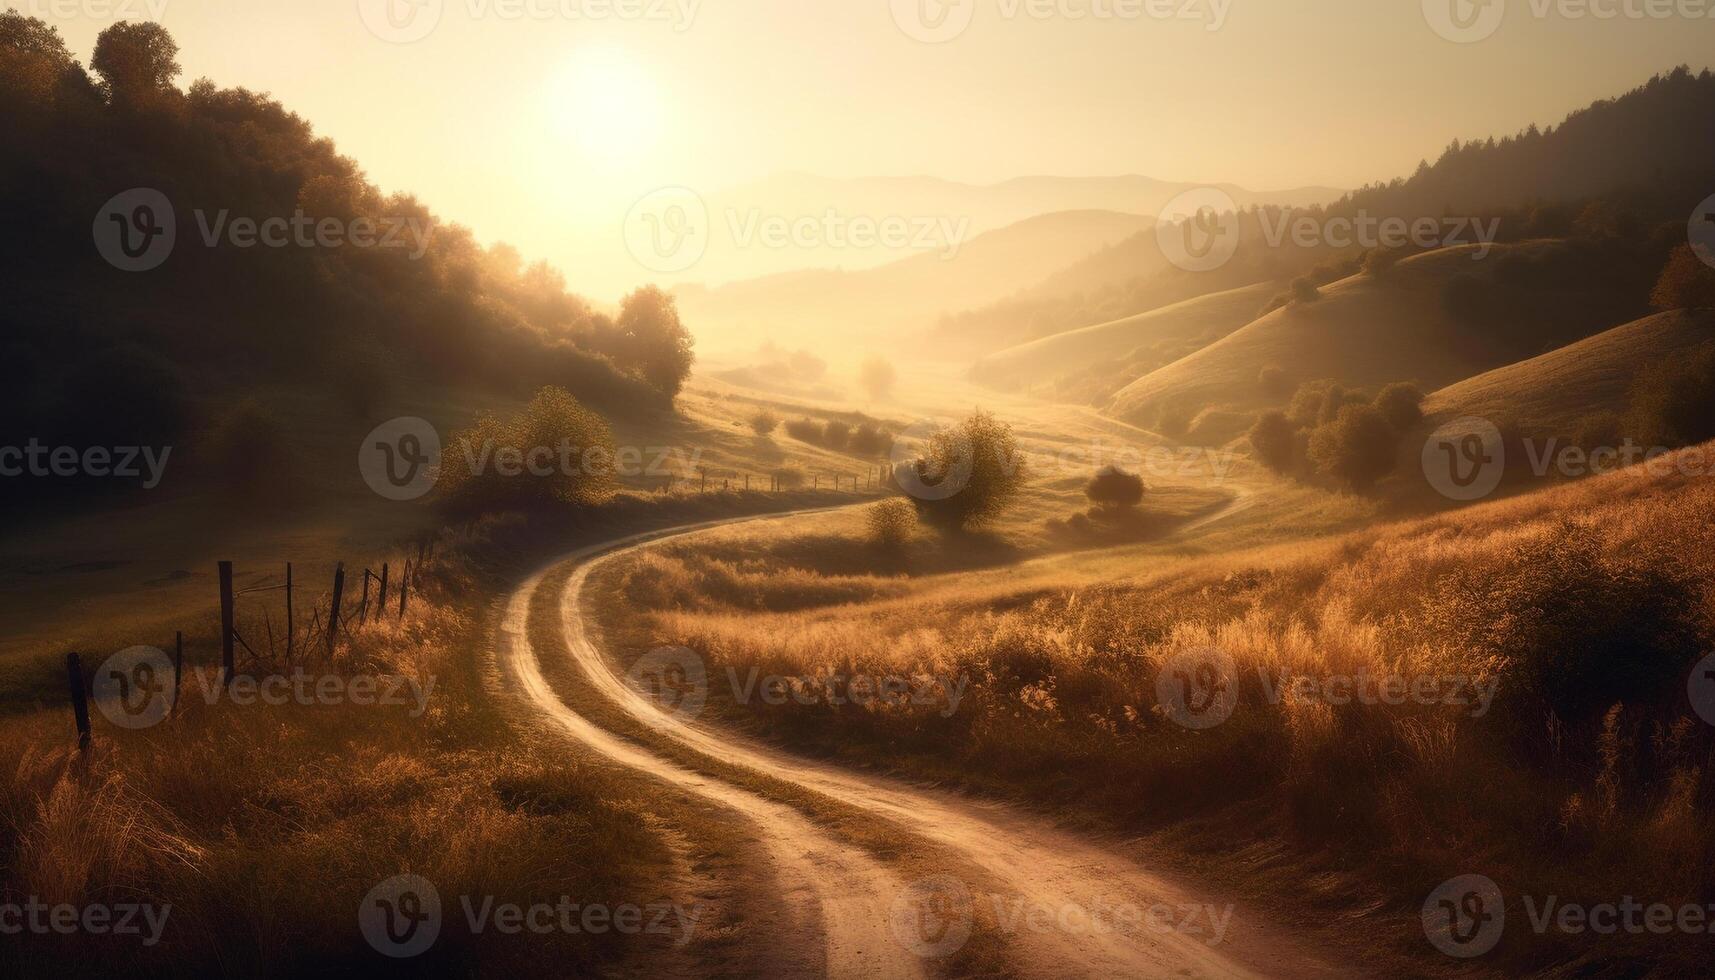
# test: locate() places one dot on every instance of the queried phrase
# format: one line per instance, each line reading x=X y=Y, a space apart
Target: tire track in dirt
x=846 y=891
x=1034 y=865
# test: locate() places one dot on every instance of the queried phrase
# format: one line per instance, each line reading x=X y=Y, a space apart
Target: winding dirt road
x=1064 y=905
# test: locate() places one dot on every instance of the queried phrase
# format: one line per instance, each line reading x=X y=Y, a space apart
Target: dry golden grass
x=1585 y=606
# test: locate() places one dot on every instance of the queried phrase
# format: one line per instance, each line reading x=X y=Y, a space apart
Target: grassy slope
x=1362 y=332
x=1372 y=804
x=1553 y=393
x=1182 y=327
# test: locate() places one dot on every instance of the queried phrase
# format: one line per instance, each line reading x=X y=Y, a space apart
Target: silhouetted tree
x=1275 y=440
x=654 y=342
x=1114 y=489
x=1357 y=448
x=136 y=62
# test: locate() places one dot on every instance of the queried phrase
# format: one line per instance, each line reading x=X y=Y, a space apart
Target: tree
x=1401 y=403
x=1686 y=282
x=1275 y=440
x=1357 y=448
x=764 y=422
x=877 y=377
x=555 y=451
x=1114 y=489
x=978 y=460
x=1673 y=401
x=653 y=342
x=891 y=523
x=136 y=62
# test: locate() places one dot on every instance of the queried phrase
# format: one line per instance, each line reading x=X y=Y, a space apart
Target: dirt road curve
x=1052 y=889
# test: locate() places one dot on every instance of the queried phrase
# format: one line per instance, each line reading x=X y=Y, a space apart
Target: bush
x=1686 y=282
x=1357 y=448
x=836 y=434
x=1379 y=261
x=1305 y=291
x=891 y=522
x=1319 y=402
x=868 y=440
x=981 y=455
x=804 y=430
x=1574 y=628
x=478 y=465
x=1115 y=489
x=1275 y=440
x=1673 y=401
x=1401 y=404
x=789 y=477
x=764 y=422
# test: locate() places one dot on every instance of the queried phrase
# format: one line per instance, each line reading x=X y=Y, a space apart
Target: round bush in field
x=1115 y=489
x=891 y=522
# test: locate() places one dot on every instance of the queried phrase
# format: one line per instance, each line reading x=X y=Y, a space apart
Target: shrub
x=836 y=434
x=1379 y=261
x=1673 y=401
x=804 y=430
x=764 y=422
x=1686 y=282
x=1305 y=291
x=1274 y=383
x=981 y=455
x=1114 y=489
x=891 y=522
x=789 y=477
x=1357 y=448
x=1275 y=440
x=1401 y=403
x=1575 y=629
x=868 y=440
x=476 y=476
x=1319 y=402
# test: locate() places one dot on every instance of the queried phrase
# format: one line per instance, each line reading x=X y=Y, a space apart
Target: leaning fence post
x=178 y=668
x=381 y=593
x=79 y=699
x=288 y=613
x=333 y=610
x=226 y=625
x=404 y=587
x=363 y=606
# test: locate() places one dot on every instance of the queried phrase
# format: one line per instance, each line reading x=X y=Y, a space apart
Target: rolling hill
x=1434 y=319
x=1117 y=352
x=1555 y=393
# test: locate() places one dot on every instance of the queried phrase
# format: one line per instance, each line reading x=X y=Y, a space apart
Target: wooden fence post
x=333 y=610
x=363 y=607
x=79 y=699
x=381 y=595
x=404 y=587
x=178 y=669
x=227 y=628
x=288 y=613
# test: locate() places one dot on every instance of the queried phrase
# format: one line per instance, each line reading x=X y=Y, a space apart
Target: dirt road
x=1065 y=906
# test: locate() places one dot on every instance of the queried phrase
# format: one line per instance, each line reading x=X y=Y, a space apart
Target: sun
x=605 y=104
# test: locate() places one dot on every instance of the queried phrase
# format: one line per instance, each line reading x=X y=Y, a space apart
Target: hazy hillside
x=1433 y=319
x=1556 y=393
x=1620 y=166
x=1086 y=362
x=894 y=298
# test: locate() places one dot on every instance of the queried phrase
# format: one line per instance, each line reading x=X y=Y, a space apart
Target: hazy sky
x=541 y=121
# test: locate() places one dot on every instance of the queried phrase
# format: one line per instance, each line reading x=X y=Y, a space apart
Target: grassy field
x=1554 y=750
